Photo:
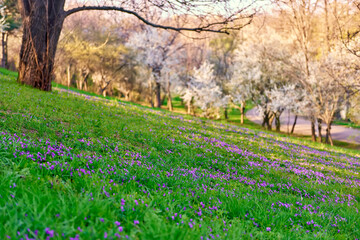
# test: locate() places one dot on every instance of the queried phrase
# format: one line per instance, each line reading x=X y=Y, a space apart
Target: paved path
x=303 y=127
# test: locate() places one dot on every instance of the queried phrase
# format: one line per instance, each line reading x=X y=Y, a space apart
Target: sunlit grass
x=86 y=167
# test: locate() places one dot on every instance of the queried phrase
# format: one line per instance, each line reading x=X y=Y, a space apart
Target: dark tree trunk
x=277 y=123
x=4 y=41
x=313 y=133
x=158 y=95
x=328 y=138
x=293 y=126
x=169 y=103
x=271 y=119
x=42 y=24
x=151 y=94
x=288 y=122
x=226 y=113
x=319 y=129
x=242 y=111
x=265 y=120
x=85 y=74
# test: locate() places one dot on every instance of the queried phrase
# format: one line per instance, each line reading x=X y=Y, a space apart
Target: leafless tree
x=300 y=15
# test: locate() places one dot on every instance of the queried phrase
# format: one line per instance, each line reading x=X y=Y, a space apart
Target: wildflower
x=77 y=237
x=49 y=232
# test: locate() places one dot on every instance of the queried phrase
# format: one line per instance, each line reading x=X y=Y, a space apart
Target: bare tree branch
x=206 y=28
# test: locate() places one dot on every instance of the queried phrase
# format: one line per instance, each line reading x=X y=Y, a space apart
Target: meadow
x=74 y=166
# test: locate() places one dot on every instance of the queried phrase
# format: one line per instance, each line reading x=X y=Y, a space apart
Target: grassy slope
x=76 y=167
x=234 y=116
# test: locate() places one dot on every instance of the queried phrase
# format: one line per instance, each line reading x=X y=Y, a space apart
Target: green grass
x=73 y=165
x=57 y=85
x=8 y=73
x=234 y=117
x=346 y=124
